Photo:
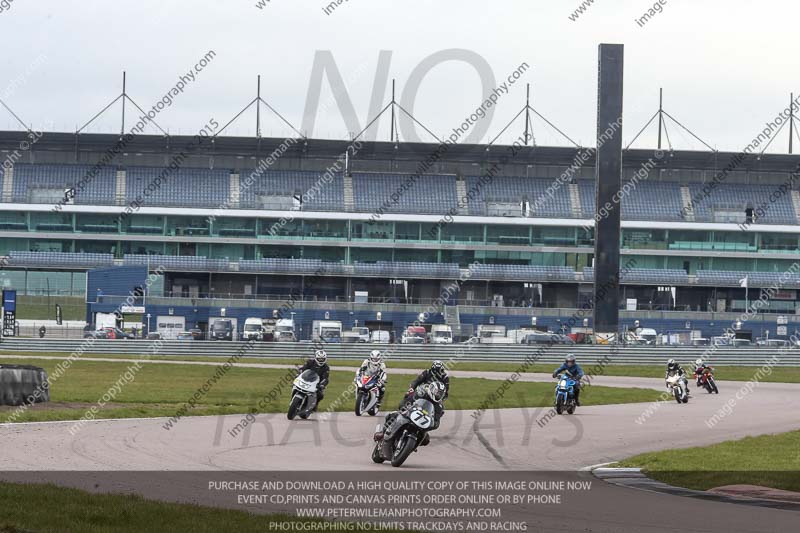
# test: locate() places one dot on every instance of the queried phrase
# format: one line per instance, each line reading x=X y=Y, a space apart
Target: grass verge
x=725 y=373
x=160 y=390
x=768 y=460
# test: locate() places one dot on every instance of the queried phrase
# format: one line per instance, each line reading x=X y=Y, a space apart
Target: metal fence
x=589 y=354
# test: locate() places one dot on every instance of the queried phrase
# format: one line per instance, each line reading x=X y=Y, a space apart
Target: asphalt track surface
x=501 y=440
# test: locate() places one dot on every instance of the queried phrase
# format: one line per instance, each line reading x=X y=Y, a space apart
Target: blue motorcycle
x=565 y=395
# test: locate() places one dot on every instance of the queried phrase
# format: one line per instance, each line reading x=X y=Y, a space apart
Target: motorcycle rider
x=699 y=368
x=374 y=366
x=319 y=364
x=573 y=370
x=673 y=367
x=437 y=372
x=434 y=391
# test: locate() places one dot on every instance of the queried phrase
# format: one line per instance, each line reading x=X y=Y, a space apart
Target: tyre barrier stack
x=18 y=384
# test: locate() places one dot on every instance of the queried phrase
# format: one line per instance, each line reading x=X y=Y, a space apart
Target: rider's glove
x=555 y=374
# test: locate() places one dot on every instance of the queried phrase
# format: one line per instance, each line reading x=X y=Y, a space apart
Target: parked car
x=97 y=334
x=154 y=336
x=197 y=334
x=185 y=336
x=116 y=333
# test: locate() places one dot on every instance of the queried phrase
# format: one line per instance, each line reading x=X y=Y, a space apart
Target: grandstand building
x=474 y=235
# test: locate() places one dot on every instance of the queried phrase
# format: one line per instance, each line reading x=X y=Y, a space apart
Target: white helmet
x=321 y=357
x=435 y=391
x=375 y=357
x=698 y=362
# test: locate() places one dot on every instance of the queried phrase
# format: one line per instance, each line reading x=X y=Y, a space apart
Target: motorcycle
x=368 y=391
x=706 y=380
x=405 y=433
x=565 y=395
x=677 y=384
x=304 y=395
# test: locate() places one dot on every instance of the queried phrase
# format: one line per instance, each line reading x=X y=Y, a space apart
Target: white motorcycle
x=678 y=385
x=304 y=395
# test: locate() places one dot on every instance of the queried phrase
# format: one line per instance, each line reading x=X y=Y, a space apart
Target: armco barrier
x=632 y=355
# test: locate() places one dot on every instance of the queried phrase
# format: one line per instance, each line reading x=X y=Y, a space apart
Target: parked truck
x=284 y=330
x=414 y=335
x=268 y=325
x=441 y=334
x=492 y=334
x=362 y=332
x=326 y=331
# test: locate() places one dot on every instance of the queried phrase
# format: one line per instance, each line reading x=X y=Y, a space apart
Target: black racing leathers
x=426 y=376
x=323 y=371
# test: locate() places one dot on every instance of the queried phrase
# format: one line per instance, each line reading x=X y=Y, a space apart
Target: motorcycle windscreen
x=425 y=405
x=310 y=376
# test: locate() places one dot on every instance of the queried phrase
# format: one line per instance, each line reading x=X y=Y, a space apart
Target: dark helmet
x=672 y=365
x=438 y=370
x=570 y=360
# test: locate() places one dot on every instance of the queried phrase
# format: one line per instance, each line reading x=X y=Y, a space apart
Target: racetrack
x=518 y=439
x=508 y=440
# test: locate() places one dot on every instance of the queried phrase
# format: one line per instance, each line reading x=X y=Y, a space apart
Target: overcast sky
x=726 y=67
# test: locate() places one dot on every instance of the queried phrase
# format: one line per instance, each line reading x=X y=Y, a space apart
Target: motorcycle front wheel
x=677 y=393
x=297 y=401
x=560 y=404
x=714 y=386
x=402 y=452
x=359 y=402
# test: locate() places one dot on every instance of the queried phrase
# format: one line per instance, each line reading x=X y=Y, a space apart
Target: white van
x=253 y=329
x=380 y=337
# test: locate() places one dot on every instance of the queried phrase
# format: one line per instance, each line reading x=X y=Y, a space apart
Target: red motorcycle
x=706 y=380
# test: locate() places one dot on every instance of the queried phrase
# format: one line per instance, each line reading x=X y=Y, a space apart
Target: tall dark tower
x=608 y=183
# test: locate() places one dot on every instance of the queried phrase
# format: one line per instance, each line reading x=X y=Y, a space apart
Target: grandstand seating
x=503 y=189
x=522 y=273
x=737 y=197
x=411 y=269
x=59 y=259
x=650 y=200
x=190 y=187
x=182 y=262
x=646 y=276
x=291 y=266
x=48 y=184
x=271 y=189
x=754 y=279
x=381 y=192
x=431 y=194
